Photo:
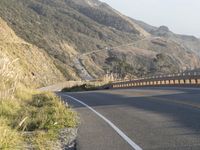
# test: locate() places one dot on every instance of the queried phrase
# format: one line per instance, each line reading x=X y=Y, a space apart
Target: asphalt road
x=152 y=118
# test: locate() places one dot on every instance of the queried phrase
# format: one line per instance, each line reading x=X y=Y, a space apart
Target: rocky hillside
x=31 y=64
x=57 y=33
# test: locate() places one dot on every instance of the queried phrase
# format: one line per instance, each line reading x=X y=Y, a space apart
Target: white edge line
x=123 y=135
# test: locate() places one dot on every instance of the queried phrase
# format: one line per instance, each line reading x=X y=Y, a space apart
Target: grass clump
x=42 y=114
x=45 y=111
x=10 y=138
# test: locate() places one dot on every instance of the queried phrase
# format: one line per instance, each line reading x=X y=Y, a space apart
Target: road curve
x=153 y=118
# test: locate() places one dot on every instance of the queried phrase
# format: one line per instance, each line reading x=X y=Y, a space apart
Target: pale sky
x=181 y=16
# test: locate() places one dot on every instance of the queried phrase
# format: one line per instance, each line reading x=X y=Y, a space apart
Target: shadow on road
x=183 y=106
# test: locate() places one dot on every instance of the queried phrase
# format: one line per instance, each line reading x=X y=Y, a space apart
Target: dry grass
x=8 y=78
x=42 y=114
x=10 y=138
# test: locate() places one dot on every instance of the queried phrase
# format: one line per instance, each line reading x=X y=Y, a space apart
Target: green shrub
x=9 y=108
x=84 y=87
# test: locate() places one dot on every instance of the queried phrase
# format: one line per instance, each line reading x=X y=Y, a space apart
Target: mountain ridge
x=66 y=29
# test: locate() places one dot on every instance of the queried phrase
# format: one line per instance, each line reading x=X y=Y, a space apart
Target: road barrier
x=179 y=79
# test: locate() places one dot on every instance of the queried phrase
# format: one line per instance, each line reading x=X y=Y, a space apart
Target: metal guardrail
x=178 y=79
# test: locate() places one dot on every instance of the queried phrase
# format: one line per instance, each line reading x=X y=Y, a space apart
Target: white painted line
x=123 y=135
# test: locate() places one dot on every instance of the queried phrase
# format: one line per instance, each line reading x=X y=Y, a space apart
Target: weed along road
x=138 y=118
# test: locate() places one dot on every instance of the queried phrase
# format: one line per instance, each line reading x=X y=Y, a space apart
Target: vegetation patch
x=42 y=115
x=30 y=119
x=10 y=138
x=87 y=86
x=84 y=87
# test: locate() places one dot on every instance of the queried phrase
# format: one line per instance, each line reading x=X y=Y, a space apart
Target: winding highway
x=158 y=118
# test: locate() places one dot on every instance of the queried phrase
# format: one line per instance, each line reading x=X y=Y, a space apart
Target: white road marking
x=123 y=135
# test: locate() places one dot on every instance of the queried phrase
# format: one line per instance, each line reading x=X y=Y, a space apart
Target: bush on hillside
x=84 y=87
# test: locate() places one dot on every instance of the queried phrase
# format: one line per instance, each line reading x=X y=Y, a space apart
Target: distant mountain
x=63 y=30
x=190 y=42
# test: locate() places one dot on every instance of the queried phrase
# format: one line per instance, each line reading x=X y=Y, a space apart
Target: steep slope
x=106 y=15
x=51 y=24
x=27 y=59
x=66 y=29
x=48 y=23
x=145 y=26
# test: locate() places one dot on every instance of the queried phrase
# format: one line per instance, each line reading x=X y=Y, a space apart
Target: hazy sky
x=181 y=16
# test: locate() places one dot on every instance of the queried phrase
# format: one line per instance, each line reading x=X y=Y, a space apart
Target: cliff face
x=52 y=36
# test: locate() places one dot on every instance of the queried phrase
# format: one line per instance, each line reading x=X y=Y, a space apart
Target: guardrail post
x=196 y=81
x=184 y=81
